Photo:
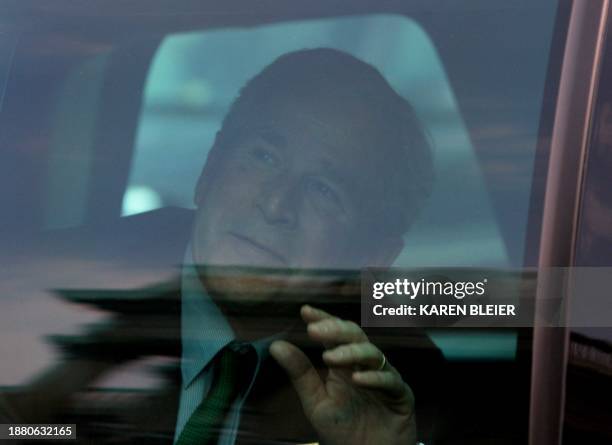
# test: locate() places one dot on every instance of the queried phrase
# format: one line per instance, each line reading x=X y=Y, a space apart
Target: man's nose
x=278 y=202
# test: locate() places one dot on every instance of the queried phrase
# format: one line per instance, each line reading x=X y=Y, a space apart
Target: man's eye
x=264 y=156
x=321 y=190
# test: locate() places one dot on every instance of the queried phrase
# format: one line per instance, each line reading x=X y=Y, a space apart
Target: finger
x=310 y=314
x=334 y=331
x=303 y=376
x=386 y=381
x=364 y=354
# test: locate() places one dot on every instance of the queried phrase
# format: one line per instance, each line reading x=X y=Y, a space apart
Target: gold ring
x=382 y=365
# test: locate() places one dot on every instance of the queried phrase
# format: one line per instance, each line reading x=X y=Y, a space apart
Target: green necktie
x=233 y=369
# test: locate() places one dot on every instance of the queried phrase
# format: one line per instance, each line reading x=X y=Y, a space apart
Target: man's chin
x=258 y=303
x=261 y=291
x=247 y=288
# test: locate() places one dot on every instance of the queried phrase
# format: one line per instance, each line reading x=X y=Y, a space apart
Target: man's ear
x=386 y=251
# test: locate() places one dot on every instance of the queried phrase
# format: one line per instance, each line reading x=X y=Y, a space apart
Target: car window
x=113 y=237
x=187 y=95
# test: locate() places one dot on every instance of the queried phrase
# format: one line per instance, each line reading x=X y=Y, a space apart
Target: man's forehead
x=341 y=133
x=339 y=114
x=280 y=127
x=307 y=138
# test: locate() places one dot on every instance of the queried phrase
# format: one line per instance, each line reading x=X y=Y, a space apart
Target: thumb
x=303 y=375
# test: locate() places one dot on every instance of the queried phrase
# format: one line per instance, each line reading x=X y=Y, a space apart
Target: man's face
x=293 y=190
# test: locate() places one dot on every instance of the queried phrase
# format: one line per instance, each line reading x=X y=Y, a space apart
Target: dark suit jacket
x=145 y=322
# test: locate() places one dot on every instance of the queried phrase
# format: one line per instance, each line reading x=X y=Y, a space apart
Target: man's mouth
x=258 y=246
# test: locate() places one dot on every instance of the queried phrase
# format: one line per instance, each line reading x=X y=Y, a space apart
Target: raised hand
x=363 y=399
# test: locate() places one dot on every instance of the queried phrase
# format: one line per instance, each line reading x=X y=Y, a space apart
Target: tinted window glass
x=141 y=191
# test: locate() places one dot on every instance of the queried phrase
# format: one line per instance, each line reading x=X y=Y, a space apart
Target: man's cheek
x=240 y=188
